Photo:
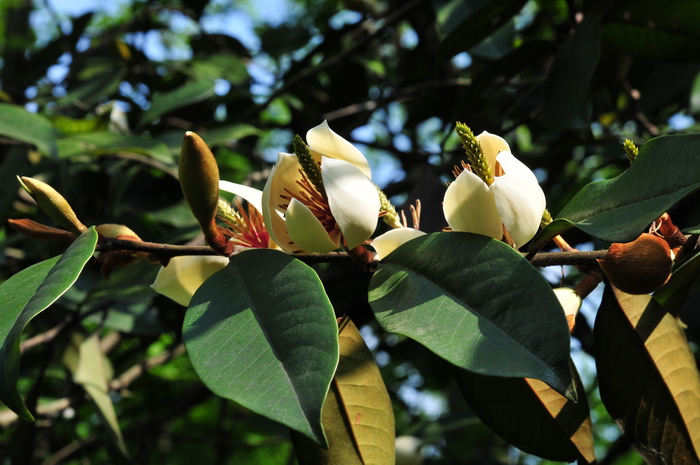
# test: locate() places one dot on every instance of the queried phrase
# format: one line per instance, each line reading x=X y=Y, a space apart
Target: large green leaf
x=107 y=143
x=357 y=416
x=187 y=94
x=263 y=333
x=649 y=382
x=532 y=416
x=674 y=293
x=19 y=124
x=477 y=303
x=620 y=209
x=24 y=296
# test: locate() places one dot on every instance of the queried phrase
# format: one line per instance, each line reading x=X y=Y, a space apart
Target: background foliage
x=96 y=105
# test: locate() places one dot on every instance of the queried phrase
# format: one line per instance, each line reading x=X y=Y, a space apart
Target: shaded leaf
x=92 y=370
x=672 y=295
x=532 y=416
x=19 y=124
x=567 y=99
x=357 y=416
x=187 y=94
x=24 y=296
x=262 y=332
x=478 y=304
x=649 y=382
x=108 y=143
x=617 y=210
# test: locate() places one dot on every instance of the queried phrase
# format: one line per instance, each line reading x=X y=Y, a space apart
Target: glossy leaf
x=357 y=416
x=24 y=296
x=262 y=332
x=477 y=303
x=618 y=210
x=187 y=94
x=568 y=103
x=92 y=370
x=649 y=382
x=19 y=124
x=532 y=416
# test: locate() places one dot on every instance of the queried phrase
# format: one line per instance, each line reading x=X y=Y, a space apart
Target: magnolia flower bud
x=638 y=267
x=53 y=204
x=116 y=258
x=199 y=179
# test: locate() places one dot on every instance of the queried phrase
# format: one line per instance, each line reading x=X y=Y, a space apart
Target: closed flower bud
x=53 y=204
x=638 y=267
x=117 y=258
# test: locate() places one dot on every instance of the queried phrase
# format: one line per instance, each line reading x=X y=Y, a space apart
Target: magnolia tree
x=260 y=329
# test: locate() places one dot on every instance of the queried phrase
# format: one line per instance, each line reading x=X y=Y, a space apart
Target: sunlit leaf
x=648 y=378
x=532 y=416
x=19 y=124
x=357 y=416
x=262 y=332
x=24 y=296
x=187 y=94
x=477 y=303
x=620 y=209
x=92 y=370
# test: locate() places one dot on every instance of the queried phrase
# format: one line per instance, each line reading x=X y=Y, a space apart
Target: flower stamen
x=249 y=228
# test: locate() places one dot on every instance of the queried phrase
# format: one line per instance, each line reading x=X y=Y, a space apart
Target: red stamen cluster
x=250 y=230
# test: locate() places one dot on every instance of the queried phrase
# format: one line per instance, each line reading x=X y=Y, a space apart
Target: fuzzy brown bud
x=53 y=204
x=117 y=258
x=638 y=267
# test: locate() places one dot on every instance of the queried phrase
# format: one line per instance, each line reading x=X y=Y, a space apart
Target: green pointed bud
x=308 y=164
x=199 y=177
x=387 y=212
x=475 y=153
x=53 y=204
x=631 y=150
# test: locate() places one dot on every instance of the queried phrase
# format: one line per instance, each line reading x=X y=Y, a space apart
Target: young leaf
x=620 y=209
x=187 y=94
x=357 y=416
x=532 y=416
x=649 y=382
x=92 y=370
x=263 y=333
x=24 y=296
x=19 y=124
x=478 y=304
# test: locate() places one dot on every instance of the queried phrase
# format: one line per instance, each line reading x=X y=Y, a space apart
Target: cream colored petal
x=183 y=276
x=284 y=174
x=323 y=142
x=469 y=206
x=492 y=145
x=250 y=194
x=391 y=240
x=519 y=199
x=306 y=230
x=570 y=302
x=353 y=199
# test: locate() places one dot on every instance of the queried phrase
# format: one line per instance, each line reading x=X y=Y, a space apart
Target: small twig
x=127 y=377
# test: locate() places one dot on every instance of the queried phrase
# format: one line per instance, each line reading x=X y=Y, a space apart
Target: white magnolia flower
x=570 y=302
x=392 y=239
x=514 y=201
x=300 y=218
x=183 y=275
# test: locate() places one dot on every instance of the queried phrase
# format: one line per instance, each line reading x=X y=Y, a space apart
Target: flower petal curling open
x=353 y=199
x=492 y=145
x=284 y=174
x=469 y=206
x=519 y=199
x=183 y=276
x=306 y=231
x=391 y=240
x=250 y=194
x=324 y=142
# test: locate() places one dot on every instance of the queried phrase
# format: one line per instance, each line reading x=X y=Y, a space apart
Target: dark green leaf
x=187 y=94
x=19 y=124
x=620 y=209
x=674 y=293
x=262 y=333
x=648 y=377
x=532 y=416
x=567 y=102
x=477 y=303
x=107 y=143
x=24 y=296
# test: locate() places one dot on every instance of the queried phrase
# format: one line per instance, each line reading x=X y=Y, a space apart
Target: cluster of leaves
x=565 y=80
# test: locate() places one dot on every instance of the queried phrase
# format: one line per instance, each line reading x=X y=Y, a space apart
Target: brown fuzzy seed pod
x=638 y=267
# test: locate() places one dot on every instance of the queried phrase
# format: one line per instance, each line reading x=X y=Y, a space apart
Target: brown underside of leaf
x=358 y=418
x=648 y=378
